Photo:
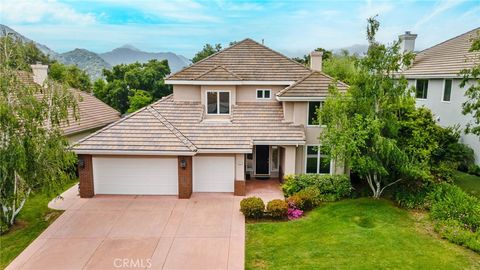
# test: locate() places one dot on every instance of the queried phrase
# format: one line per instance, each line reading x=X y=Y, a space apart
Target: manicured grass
x=354 y=234
x=34 y=218
x=468 y=182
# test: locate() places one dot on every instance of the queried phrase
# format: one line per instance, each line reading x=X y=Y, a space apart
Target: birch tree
x=33 y=151
x=362 y=125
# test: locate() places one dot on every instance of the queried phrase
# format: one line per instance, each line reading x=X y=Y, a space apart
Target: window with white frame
x=264 y=93
x=218 y=102
x=422 y=89
x=317 y=160
x=312 y=112
x=447 y=90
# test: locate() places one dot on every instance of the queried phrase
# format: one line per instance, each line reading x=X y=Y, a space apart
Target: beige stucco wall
x=248 y=93
x=300 y=160
x=290 y=159
x=300 y=113
x=239 y=167
x=186 y=92
x=78 y=136
x=288 y=111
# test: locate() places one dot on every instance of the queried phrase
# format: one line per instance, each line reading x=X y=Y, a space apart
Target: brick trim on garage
x=185 y=183
x=85 y=173
x=239 y=188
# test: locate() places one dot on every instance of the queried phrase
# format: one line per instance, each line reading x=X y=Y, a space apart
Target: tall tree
x=363 y=124
x=123 y=81
x=471 y=78
x=70 y=75
x=207 y=50
x=33 y=150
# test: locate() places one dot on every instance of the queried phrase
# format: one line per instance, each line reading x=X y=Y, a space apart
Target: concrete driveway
x=206 y=231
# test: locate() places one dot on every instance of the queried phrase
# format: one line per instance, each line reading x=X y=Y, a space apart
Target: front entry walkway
x=267 y=190
x=142 y=232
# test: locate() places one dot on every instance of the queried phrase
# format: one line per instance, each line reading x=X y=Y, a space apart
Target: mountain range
x=94 y=63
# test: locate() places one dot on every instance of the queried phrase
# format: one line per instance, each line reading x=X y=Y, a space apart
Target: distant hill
x=357 y=49
x=86 y=60
x=94 y=63
x=5 y=30
x=128 y=54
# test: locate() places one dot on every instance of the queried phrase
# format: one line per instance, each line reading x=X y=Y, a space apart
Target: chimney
x=316 y=61
x=40 y=73
x=407 y=42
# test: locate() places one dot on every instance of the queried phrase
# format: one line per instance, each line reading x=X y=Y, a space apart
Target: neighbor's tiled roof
x=315 y=84
x=143 y=131
x=92 y=112
x=247 y=60
x=448 y=57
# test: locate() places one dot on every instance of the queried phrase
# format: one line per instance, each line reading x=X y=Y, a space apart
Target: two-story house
x=244 y=112
x=436 y=75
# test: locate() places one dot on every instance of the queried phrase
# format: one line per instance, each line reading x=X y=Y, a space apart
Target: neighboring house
x=244 y=112
x=435 y=74
x=93 y=114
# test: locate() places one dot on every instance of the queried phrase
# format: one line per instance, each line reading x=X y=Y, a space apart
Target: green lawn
x=354 y=234
x=468 y=182
x=31 y=222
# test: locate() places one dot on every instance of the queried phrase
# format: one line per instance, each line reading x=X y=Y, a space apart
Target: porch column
x=239 y=187
x=290 y=159
x=85 y=173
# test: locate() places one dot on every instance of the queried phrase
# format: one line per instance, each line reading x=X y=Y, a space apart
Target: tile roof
x=315 y=84
x=92 y=112
x=248 y=61
x=446 y=58
x=147 y=130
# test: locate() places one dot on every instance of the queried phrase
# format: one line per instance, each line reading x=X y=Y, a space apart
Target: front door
x=262 y=156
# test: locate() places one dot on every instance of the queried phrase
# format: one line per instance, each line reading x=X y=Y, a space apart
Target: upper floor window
x=447 y=90
x=422 y=89
x=312 y=112
x=218 y=102
x=263 y=93
x=317 y=160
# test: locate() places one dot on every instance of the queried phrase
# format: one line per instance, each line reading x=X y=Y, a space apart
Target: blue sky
x=291 y=27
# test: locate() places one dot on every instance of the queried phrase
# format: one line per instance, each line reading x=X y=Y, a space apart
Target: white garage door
x=150 y=176
x=213 y=174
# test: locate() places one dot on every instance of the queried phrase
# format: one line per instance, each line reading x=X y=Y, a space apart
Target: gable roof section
x=93 y=113
x=143 y=131
x=446 y=58
x=315 y=84
x=168 y=127
x=249 y=61
x=218 y=73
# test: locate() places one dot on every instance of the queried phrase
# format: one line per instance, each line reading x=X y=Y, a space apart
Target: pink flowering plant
x=293 y=212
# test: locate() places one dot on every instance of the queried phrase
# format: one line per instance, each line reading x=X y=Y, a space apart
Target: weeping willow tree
x=34 y=154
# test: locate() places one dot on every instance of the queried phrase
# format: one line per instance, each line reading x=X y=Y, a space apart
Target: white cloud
x=372 y=9
x=441 y=7
x=34 y=11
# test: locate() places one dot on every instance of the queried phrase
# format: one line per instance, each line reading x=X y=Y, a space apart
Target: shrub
x=332 y=187
x=252 y=207
x=277 y=209
x=310 y=197
x=474 y=169
x=296 y=202
x=294 y=213
x=412 y=197
x=450 y=202
x=455 y=232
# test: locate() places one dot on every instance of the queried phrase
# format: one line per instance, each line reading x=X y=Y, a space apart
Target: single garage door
x=149 y=176
x=213 y=174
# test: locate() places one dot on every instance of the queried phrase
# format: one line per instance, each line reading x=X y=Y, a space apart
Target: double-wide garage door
x=122 y=175
x=159 y=175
